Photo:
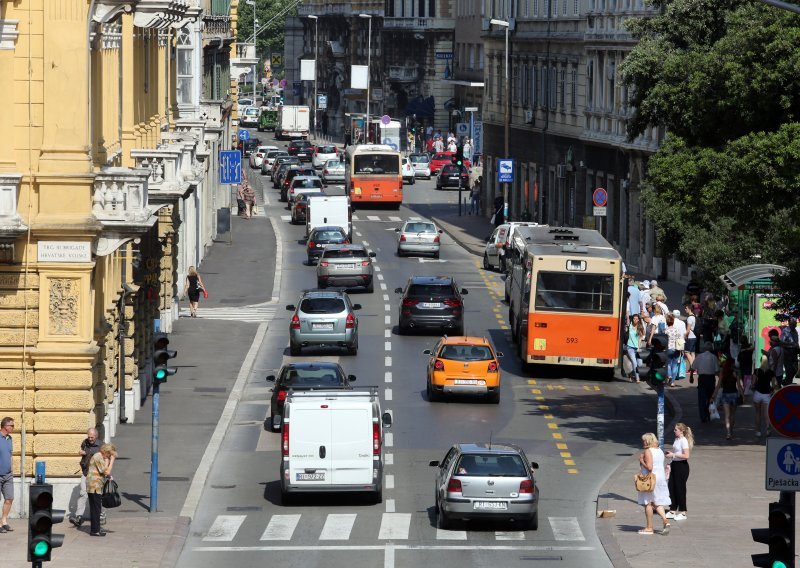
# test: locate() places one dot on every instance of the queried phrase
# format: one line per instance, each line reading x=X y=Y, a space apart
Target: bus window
x=376 y=164
x=561 y=292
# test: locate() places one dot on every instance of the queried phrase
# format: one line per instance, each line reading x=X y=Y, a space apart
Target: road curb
x=176 y=541
x=445 y=226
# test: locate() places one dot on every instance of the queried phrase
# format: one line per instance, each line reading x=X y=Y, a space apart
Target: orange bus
x=566 y=297
x=373 y=175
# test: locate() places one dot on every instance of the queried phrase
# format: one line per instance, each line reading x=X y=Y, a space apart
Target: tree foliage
x=270 y=39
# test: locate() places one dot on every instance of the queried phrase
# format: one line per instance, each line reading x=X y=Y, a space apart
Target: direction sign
x=322 y=102
x=784 y=411
x=244 y=135
x=230 y=167
x=600 y=197
x=505 y=171
x=783 y=465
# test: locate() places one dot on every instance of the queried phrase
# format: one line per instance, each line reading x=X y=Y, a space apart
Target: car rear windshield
x=313 y=377
x=322 y=306
x=300 y=144
x=276 y=153
x=420 y=228
x=326 y=149
x=334 y=164
x=466 y=353
x=308 y=183
x=377 y=164
x=419 y=159
x=440 y=290
x=491 y=465
x=345 y=253
x=451 y=170
x=570 y=292
x=442 y=157
x=328 y=236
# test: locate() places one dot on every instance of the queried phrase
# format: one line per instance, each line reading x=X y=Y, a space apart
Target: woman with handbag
x=651 y=461
x=193 y=287
x=99 y=469
x=732 y=393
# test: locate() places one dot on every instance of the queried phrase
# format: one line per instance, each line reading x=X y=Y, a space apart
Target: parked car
x=243 y=103
x=408 y=171
x=422 y=165
x=282 y=164
x=304 y=376
x=300 y=206
x=449 y=175
x=420 y=237
x=463 y=365
x=497 y=244
x=302 y=149
x=249 y=116
x=247 y=146
x=269 y=160
x=320 y=237
x=333 y=172
x=322 y=154
x=349 y=266
x=492 y=481
x=301 y=183
x=431 y=302
x=323 y=318
x=290 y=174
x=257 y=157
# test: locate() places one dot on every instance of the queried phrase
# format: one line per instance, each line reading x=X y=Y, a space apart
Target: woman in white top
x=691 y=337
x=679 y=470
x=659 y=322
x=652 y=461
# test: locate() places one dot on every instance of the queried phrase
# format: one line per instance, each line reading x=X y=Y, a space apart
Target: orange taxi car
x=463 y=365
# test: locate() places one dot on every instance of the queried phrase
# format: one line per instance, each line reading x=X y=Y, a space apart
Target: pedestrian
x=706 y=365
x=679 y=471
x=656 y=292
x=676 y=342
x=651 y=460
x=765 y=384
x=99 y=469
x=659 y=321
x=791 y=348
x=89 y=447
x=690 y=346
x=240 y=200
x=634 y=300
x=775 y=355
x=468 y=149
x=475 y=200
x=745 y=360
x=193 y=287
x=635 y=337
x=722 y=339
x=730 y=385
x=452 y=146
x=249 y=195
x=709 y=320
x=438 y=145
x=499 y=211
x=6 y=475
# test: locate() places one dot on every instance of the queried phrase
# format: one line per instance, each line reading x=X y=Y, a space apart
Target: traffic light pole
x=660 y=415
x=459 y=191
x=154 y=450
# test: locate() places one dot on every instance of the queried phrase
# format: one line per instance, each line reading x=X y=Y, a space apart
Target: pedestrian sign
x=244 y=135
x=230 y=167
x=783 y=465
x=505 y=171
x=784 y=411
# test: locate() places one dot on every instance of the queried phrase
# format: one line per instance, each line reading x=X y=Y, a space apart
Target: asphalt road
x=577 y=428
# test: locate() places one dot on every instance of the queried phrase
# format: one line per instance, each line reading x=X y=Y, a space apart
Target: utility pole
x=506 y=117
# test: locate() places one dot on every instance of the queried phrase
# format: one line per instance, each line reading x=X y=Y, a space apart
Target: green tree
x=269 y=13
x=722 y=77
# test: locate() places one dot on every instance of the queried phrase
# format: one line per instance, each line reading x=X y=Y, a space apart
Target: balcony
x=120 y=196
x=217 y=26
x=343 y=9
x=11 y=225
x=165 y=168
x=403 y=74
x=419 y=24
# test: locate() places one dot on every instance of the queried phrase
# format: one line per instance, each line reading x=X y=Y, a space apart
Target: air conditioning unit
x=561 y=171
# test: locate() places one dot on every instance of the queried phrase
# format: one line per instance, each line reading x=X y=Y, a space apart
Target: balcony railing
x=120 y=194
x=419 y=24
x=165 y=171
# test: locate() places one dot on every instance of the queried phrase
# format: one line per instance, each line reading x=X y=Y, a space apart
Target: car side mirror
x=386 y=420
x=398 y=290
x=441 y=232
x=534 y=465
x=351 y=378
x=372 y=255
x=427 y=352
x=434 y=463
x=271 y=378
x=291 y=307
x=464 y=291
x=356 y=307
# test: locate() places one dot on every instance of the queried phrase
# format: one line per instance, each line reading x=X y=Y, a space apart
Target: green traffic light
x=778 y=564
x=41 y=548
x=161 y=374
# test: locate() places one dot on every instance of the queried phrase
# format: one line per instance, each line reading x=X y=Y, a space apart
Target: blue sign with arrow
x=230 y=166
x=244 y=135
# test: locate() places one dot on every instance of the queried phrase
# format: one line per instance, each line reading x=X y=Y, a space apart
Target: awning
x=749 y=273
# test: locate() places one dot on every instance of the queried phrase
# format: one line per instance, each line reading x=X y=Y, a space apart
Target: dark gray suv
x=432 y=302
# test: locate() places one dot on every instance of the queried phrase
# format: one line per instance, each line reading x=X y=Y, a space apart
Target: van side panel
x=310 y=430
x=351 y=453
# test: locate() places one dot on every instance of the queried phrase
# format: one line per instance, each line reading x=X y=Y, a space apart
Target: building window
x=576 y=7
x=590 y=84
x=480 y=56
x=536 y=8
x=431 y=8
x=471 y=57
x=573 y=95
x=515 y=83
x=562 y=89
x=534 y=86
x=555 y=7
x=564 y=7
x=541 y=90
x=553 y=86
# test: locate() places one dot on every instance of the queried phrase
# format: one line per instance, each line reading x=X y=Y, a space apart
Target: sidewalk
x=726 y=495
x=210 y=354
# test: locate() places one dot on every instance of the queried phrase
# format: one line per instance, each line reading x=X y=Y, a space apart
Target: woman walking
x=731 y=386
x=635 y=336
x=679 y=470
x=193 y=287
x=99 y=469
x=249 y=196
x=765 y=385
x=651 y=460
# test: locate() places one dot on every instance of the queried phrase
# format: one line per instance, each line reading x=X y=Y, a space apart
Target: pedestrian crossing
x=252 y=314
x=373 y=218
x=392 y=527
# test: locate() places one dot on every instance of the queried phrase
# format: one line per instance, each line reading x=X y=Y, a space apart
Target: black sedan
x=448 y=177
x=432 y=302
x=303 y=376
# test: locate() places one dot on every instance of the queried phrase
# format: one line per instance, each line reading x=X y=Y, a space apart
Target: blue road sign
x=230 y=166
x=505 y=171
x=244 y=135
x=783 y=465
x=600 y=197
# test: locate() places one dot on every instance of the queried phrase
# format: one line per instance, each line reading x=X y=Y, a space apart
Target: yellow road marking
x=552 y=425
x=536 y=391
x=544 y=407
x=557 y=436
x=572 y=471
x=569 y=462
x=548 y=416
x=566 y=454
x=539 y=398
x=531 y=381
x=561 y=446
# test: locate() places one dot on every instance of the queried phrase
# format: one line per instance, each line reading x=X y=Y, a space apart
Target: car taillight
x=285 y=440
x=402 y=238
x=325 y=171
x=350 y=322
x=451 y=303
x=364 y=263
x=323 y=264
x=376 y=439
x=295 y=322
x=526 y=486
x=438 y=365
x=300 y=205
x=453 y=486
x=346 y=242
x=436 y=239
x=281 y=395
x=493 y=367
x=311 y=244
x=410 y=302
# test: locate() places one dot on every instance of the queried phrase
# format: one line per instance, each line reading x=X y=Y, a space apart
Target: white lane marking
x=442 y=534
x=286 y=217
x=356 y=218
x=338 y=526
x=276 y=281
x=387 y=332
x=357 y=233
x=377 y=268
x=380 y=276
x=281 y=527
x=387 y=395
x=395 y=219
x=373 y=218
x=201 y=473
x=387 y=320
x=387 y=361
x=383 y=286
x=224 y=528
x=366 y=244
x=394 y=526
x=386 y=307
x=387 y=376
x=389 y=479
x=390 y=505
x=389 y=459
x=388 y=556
x=386 y=297
x=566 y=528
x=388 y=439
x=387 y=345
x=379 y=547
x=509 y=535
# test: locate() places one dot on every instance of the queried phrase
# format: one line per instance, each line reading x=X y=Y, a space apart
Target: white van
x=332 y=441
x=330 y=210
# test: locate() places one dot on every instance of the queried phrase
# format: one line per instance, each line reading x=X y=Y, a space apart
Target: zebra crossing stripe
x=281 y=527
x=338 y=527
x=373 y=218
x=394 y=526
x=566 y=528
x=442 y=534
x=509 y=535
x=243 y=313
x=395 y=219
x=224 y=528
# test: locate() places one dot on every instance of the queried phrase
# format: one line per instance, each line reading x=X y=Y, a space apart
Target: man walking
x=707 y=366
x=790 y=351
x=89 y=447
x=6 y=476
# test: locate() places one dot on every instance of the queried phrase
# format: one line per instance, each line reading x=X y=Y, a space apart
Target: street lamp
x=504 y=24
x=255 y=43
x=316 y=52
x=369 y=54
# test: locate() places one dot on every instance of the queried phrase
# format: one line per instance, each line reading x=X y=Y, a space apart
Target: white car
x=422 y=165
x=258 y=156
x=269 y=160
x=322 y=154
x=249 y=116
x=497 y=244
x=408 y=172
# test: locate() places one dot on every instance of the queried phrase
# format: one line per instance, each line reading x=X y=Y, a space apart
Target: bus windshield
x=570 y=292
x=376 y=164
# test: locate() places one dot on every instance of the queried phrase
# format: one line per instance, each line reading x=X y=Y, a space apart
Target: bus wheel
x=608 y=374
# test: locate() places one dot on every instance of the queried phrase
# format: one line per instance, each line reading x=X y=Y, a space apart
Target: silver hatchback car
x=420 y=237
x=346 y=265
x=323 y=318
x=486 y=481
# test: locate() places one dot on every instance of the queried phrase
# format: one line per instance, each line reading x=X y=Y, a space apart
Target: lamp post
x=255 y=43
x=316 y=53
x=369 y=54
x=506 y=94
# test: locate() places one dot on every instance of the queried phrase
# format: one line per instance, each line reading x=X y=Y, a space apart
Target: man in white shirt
x=438 y=145
x=644 y=295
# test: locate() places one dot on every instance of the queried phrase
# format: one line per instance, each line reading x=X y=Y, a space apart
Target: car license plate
x=453 y=178
x=375 y=196
x=430 y=305
x=490 y=505
x=466 y=381
x=571 y=359
x=345 y=266
x=311 y=476
x=322 y=326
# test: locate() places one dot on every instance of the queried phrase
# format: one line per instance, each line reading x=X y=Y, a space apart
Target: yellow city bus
x=373 y=175
x=566 y=297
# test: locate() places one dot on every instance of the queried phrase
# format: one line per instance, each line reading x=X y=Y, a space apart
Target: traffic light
x=779 y=536
x=656 y=361
x=459 y=156
x=42 y=517
x=161 y=356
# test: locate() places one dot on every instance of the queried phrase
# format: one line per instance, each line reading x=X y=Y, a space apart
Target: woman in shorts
x=765 y=384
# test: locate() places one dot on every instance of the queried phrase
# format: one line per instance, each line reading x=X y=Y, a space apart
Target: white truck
x=332 y=441
x=330 y=210
x=293 y=122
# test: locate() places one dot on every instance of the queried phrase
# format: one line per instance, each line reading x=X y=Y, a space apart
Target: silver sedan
x=333 y=172
x=419 y=237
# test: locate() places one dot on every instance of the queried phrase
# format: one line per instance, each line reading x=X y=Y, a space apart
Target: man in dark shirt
x=6 y=475
x=89 y=447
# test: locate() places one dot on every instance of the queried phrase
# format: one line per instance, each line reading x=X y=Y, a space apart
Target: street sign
x=244 y=135
x=505 y=171
x=386 y=119
x=470 y=109
x=600 y=198
x=322 y=102
x=784 y=411
x=462 y=129
x=783 y=465
x=276 y=59
x=599 y=211
x=230 y=167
